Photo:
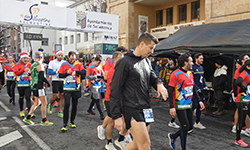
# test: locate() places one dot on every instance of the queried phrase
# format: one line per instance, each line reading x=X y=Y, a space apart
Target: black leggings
x=97 y=102
x=24 y=91
x=243 y=110
x=11 y=89
x=2 y=78
x=186 y=119
x=75 y=95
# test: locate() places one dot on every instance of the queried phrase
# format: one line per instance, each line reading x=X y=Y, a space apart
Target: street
x=14 y=134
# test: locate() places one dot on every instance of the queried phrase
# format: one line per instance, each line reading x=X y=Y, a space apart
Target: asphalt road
x=15 y=135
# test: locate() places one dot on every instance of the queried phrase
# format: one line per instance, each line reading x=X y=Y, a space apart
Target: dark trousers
x=74 y=95
x=97 y=102
x=2 y=78
x=24 y=92
x=218 y=97
x=186 y=119
x=11 y=89
x=243 y=110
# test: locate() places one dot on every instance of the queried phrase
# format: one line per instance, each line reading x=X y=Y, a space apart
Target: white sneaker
x=190 y=131
x=173 y=125
x=121 y=144
x=127 y=139
x=110 y=146
x=247 y=132
x=199 y=125
x=101 y=132
x=242 y=131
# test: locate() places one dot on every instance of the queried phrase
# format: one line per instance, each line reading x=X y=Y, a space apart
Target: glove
x=205 y=88
x=199 y=91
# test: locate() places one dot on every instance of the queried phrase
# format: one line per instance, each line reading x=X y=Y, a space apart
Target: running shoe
x=173 y=125
x=190 y=131
x=241 y=143
x=10 y=100
x=247 y=132
x=110 y=146
x=91 y=112
x=101 y=132
x=72 y=125
x=29 y=121
x=46 y=122
x=199 y=125
x=121 y=144
x=234 y=130
x=56 y=104
x=22 y=114
x=49 y=109
x=33 y=100
x=171 y=141
x=102 y=117
x=60 y=114
x=33 y=115
x=86 y=94
x=64 y=129
x=128 y=139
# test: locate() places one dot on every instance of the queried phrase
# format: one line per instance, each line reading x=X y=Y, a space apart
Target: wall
x=227 y=10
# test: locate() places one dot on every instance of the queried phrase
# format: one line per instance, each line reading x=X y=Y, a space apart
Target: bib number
x=10 y=74
x=148 y=115
x=188 y=91
x=41 y=92
x=70 y=79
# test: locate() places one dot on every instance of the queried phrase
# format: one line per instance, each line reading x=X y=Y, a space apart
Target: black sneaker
x=102 y=117
x=10 y=100
x=91 y=112
x=171 y=141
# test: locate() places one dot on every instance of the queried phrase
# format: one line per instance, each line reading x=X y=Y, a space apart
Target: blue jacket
x=198 y=72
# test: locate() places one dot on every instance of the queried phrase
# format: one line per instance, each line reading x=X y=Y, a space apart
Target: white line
x=10 y=137
x=39 y=141
x=4 y=128
x=3 y=118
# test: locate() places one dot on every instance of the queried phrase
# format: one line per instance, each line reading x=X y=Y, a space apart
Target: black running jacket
x=130 y=85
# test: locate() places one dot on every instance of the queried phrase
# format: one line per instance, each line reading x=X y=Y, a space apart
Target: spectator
x=153 y=63
x=220 y=77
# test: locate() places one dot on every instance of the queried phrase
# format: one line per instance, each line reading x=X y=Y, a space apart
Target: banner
x=142 y=24
x=14 y=12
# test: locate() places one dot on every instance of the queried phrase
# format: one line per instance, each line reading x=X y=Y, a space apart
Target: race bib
x=41 y=92
x=148 y=115
x=25 y=74
x=69 y=79
x=10 y=74
x=188 y=91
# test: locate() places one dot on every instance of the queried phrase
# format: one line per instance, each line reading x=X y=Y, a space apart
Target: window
x=159 y=15
x=183 y=12
x=44 y=3
x=71 y=39
x=85 y=37
x=78 y=39
x=169 y=15
x=60 y=40
x=45 y=41
x=195 y=10
x=65 y=40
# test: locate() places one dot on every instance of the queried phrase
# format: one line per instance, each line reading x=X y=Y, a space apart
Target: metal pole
x=16 y=41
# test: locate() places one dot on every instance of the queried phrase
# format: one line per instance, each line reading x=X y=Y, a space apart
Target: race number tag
x=188 y=91
x=25 y=74
x=70 y=79
x=148 y=115
x=10 y=74
x=41 y=92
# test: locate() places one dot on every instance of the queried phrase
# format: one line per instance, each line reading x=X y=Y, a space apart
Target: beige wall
x=227 y=10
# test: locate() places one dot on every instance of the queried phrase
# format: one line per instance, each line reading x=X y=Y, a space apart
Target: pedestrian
x=132 y=79
x=181 y=90
x=218 y=82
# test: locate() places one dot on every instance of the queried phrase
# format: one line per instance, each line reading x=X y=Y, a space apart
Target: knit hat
x=219 y=62
x=23 y=54
x=59 y=51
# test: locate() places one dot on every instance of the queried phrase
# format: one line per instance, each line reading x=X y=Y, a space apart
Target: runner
x=57 y=83
x=243 y=100
x=22 y=71
x=199 y=81
x=38 y=88
x=132 y=79
x=181 y=89
x=95 y=77
x=242 y=59
x=71 y=71
x=10 y=78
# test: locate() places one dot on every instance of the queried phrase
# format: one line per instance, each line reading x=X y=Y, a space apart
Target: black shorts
x=133 y=114
x=39 y=92
x=57 y=86
x=107 y=105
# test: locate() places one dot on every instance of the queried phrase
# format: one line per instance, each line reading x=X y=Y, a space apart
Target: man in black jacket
x=130 y=92
x=220 y=77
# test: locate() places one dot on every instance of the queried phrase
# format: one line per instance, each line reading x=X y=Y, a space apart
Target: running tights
x=243 y=110
x=186 y=119
x=97 y=102
x=11 y=89
x=24 y=92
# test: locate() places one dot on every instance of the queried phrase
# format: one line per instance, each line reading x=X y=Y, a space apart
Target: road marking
x=4 y=128
x=3 y=118
x=39 y=141
x=10 y=137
